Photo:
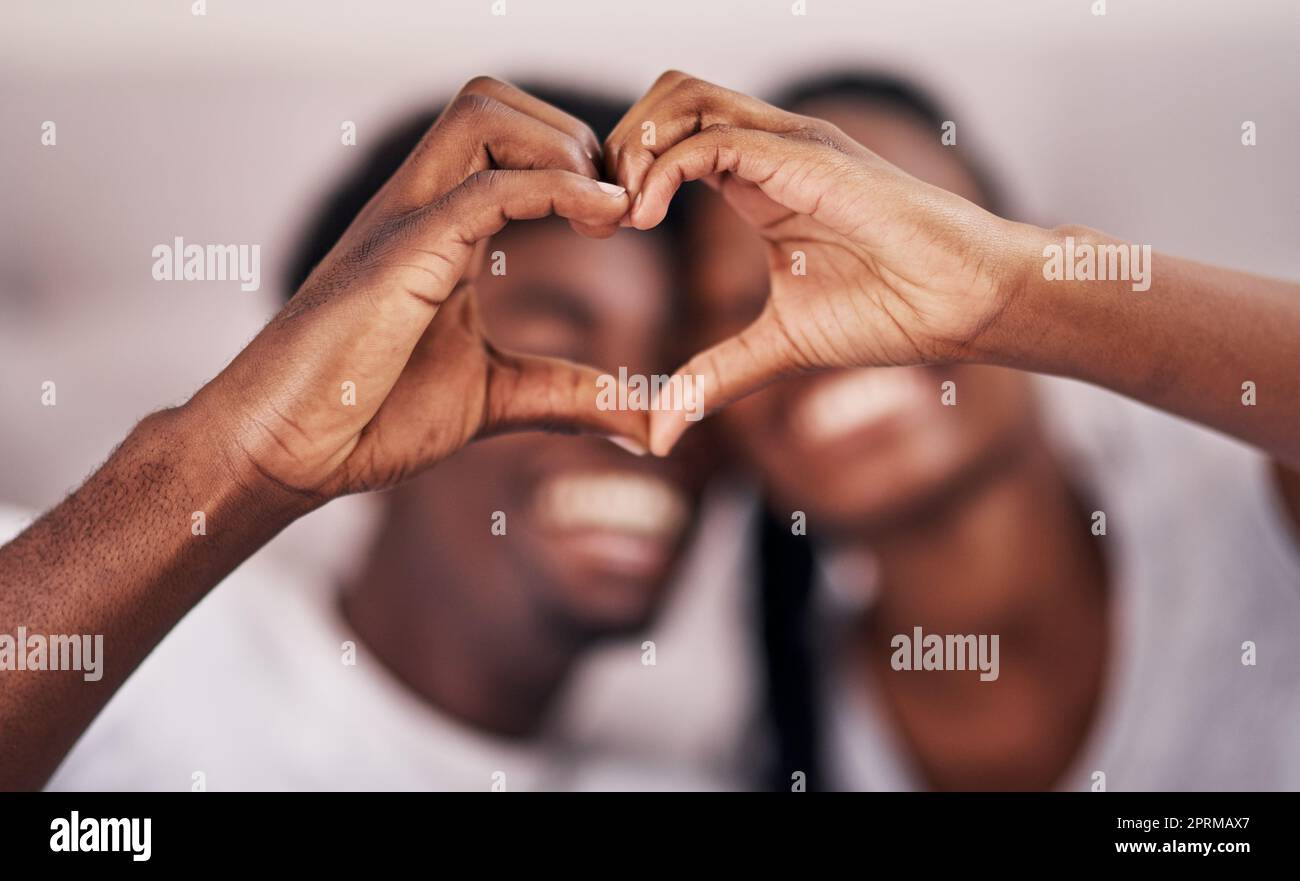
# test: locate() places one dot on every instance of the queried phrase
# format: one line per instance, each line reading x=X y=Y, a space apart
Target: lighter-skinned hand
x=895 y=271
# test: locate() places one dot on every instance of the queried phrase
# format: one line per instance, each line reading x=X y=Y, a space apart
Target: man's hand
x=378 y=367
x=897 y=271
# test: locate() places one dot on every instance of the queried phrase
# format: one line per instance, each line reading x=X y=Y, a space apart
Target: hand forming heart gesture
x=892 y=271
x=868 y=267
x=378 y=367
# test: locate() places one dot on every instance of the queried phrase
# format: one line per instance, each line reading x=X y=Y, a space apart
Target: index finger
x=518 y=99
x=678 y=107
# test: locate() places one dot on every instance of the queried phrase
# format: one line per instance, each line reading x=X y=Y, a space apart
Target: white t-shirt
x=249 y=688
x=1203 y=560
x=250 y=691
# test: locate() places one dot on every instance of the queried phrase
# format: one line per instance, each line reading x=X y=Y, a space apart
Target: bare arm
x=1213 y=345
x=375 y=370
x=119 y=559
x=900 y=272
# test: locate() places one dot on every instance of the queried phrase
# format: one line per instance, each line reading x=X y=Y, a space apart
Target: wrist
x=217 y=470
x=1043 y=310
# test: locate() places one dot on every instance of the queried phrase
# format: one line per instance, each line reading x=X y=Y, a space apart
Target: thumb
x=533 y=393
x=735 y=367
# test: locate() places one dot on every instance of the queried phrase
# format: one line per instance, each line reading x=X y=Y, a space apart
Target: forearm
x=124 y=558
x=1188 y=344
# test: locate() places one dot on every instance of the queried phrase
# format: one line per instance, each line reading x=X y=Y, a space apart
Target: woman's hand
x=869 y=266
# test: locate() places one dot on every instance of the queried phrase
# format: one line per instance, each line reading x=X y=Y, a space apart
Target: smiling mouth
x=857 y=401
x=622 y=523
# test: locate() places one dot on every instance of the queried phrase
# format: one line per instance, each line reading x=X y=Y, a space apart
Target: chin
x=874 y=495
x=607 y=607
x=605 y=543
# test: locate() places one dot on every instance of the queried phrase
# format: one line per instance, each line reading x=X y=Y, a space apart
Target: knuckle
x=586 y=137
x=637 y=158
x=485 y=179
x=819 y=131
x=671 y=75
x=482 y=84
x=575 y=155
x=470 y=106
x=802 y=122
x=695 y=91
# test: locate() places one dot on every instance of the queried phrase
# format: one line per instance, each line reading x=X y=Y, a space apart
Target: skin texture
x=875 y=475
x=392 y=310
x=969 y=520
x=968 y=517
x=900 y=272
x=486 y=627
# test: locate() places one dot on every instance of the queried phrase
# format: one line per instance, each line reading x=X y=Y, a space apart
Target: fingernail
x=628 y=444
x=613 y=189
x=664 y=437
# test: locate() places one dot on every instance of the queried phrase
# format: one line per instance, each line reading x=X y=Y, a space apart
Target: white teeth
x=856 y=398
x=637 y=504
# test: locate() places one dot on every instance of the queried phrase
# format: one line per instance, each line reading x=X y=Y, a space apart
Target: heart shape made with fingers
x=867 y=265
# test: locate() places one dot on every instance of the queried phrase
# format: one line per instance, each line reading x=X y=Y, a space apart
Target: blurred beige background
x=226 y=128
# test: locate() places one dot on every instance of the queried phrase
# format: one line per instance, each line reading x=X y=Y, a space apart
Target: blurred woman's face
x=858 y=448
x=592 y=530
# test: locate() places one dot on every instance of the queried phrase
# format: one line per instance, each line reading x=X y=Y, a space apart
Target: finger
x=595 y=232
x=748 y=200
x=477 y=133
x=433 y=405
x=478 y=259
x=687 y=107
x=758 y=157
x=418 y=265
x=488 y=200
x=733 y=368
x=531 y=105
x=529 y=392
x=635 y=117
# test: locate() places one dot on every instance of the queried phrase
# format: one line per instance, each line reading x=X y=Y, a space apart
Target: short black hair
x=345 y=201
x=894 y=93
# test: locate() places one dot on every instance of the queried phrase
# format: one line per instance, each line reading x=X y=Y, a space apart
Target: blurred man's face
x=591 y=531
x=867 y=447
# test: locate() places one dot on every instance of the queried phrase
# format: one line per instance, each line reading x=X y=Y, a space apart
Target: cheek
x=486 y=475
x=837 y=481
x=754 y=428
x=937 y=449
x=996 y=405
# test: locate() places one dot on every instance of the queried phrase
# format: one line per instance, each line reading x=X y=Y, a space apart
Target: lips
x=617 y=523
x=633 y=504
x=855 y=400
